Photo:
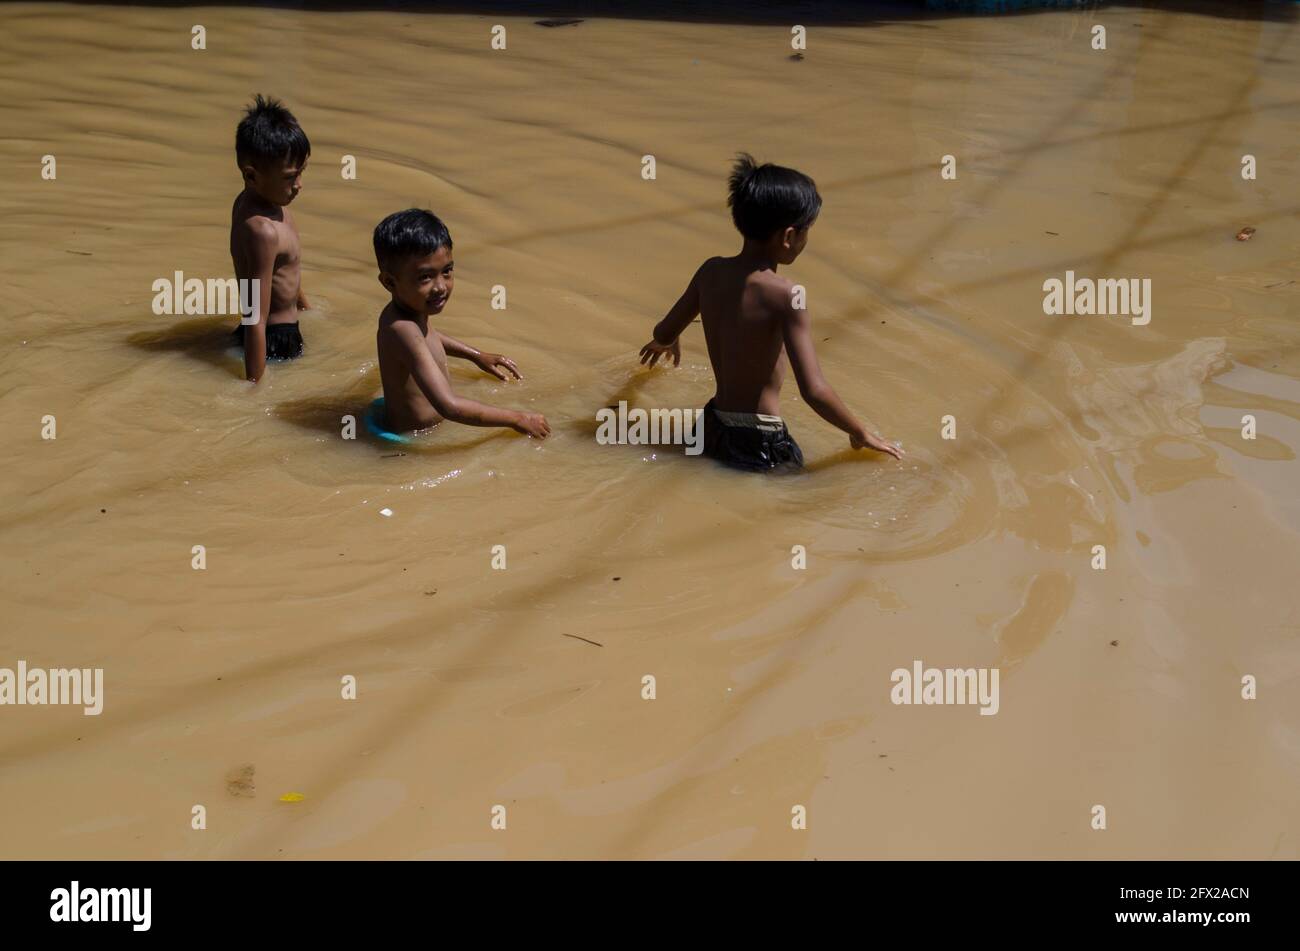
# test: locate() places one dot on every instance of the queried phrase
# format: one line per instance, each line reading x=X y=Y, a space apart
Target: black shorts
x=283 y=341
x=749 y=441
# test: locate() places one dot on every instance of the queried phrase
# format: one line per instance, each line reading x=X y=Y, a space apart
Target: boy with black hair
x=413 y=251
x=751 y=323
x=272 y=151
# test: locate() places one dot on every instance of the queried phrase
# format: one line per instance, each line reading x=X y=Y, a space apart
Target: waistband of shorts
x=760 y=421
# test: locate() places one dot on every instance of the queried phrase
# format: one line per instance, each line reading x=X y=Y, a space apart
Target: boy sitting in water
x=271 y=150
x=413 y=249
x=751 y=323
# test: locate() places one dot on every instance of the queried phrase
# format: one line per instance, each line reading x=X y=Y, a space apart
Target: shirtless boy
x=271 y=150
x=751 y=325
x=413 y=250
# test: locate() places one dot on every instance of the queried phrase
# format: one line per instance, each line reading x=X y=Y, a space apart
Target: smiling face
x=422 y=284
x=278 y=182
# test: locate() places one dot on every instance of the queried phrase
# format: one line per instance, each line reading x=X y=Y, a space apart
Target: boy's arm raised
x=813 y=387
x=437 y=390
x=261 y=241
x=670 y=328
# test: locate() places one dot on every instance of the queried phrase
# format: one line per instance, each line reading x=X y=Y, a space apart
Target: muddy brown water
x=523 y=687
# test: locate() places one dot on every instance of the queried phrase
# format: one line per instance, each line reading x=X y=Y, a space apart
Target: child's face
x=423 y=284
x=276 y=182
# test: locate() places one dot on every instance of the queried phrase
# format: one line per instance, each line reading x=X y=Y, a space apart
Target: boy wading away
x=272 y=152
x=413 y=249
x=751 y=325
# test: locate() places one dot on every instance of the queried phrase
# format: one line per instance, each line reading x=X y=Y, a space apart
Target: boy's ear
x=387 y=280
x=250 y=174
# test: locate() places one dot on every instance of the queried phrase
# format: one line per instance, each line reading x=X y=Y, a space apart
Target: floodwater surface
x=525 y=688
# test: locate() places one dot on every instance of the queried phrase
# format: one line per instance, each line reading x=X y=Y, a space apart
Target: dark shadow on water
x=213 y=343
x=847 y=457
x=324 y=414
x=561 y=16
x=203 y=339
x=630 y=389
x=627 y=391
x=858 y=457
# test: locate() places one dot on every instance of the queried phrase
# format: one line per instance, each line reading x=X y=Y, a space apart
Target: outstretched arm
x=815 y=389
x=455 y=348
x=437 y=390
x=501 y=367
x=670 y=328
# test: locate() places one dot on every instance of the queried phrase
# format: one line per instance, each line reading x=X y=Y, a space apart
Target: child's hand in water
x=533 y=424
x=865 y=440
x=654 y=350
x=500 y=367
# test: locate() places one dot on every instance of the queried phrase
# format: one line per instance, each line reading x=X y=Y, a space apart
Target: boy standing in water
x=413 y=250
x=271 y=150
x=751 y=324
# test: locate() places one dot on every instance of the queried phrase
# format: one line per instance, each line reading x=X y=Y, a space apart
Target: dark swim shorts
x=283 y=341
x=749 y=441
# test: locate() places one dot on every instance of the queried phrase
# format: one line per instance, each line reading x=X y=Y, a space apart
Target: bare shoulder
x=388 y=322
x=777 y=292
x=399 y=331
x=394 y=348
x=706 y=272
x=257 y=231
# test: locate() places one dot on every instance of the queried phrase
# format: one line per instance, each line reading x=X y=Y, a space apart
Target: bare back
x=755 y=328
x=743 y=311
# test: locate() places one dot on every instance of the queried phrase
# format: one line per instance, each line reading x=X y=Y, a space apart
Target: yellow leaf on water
x=292 y=797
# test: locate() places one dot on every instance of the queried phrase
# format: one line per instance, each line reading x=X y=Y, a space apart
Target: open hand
x=500 y=367
x=654 y=350
x=865 y=440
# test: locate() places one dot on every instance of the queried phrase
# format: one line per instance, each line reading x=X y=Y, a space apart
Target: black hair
x=767 y=198
x=413 y=232
x=268 y=133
